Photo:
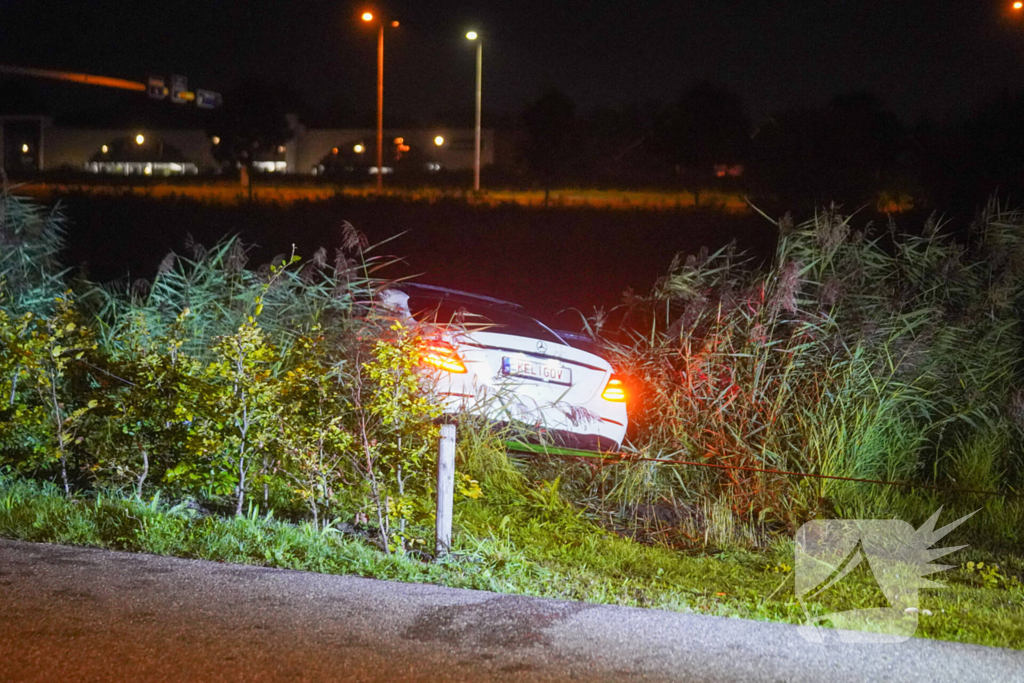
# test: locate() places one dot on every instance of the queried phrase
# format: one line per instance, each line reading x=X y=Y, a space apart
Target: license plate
x=552 y=372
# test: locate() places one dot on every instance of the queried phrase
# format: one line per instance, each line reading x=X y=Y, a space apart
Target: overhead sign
x=207 y=99
x=179 y=90
x=156 y=88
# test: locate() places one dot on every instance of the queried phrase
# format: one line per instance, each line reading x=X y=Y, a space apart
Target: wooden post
x=445 y=489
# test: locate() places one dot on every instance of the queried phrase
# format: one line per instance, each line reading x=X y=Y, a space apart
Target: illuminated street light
x=473 y=35
x=139 y=139
x=215 y=140
x=439 y=140
x=1018 y=5
x=358 y=149
x=24 y=149
x=104 y=149
x=368 y=17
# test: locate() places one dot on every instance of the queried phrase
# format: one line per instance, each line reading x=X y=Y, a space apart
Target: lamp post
x=474 y=36
x=369 y=17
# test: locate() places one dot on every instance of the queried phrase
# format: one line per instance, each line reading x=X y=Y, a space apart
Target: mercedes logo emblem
x=542 y=347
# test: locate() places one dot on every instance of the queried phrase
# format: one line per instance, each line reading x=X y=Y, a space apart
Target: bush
x=279 y=385
x=894 y=357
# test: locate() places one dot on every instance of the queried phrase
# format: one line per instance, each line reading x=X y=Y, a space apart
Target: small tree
x=155 y=399
x=312 y=430
x=252 y=122
x=61 y=342
x=245 y=409
x=550 y=145
x=244 y=404
x=395 y=432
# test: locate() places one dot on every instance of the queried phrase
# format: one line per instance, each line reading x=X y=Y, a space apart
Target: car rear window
x=474 y=315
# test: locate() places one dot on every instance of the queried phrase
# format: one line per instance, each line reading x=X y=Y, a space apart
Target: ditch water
x=549 y=259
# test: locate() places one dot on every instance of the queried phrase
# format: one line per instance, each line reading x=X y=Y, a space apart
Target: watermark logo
x=838 y=560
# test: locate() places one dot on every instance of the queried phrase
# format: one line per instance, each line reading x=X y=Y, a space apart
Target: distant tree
x=252 y=122
x=846 y=152
x=614 y=147
x=551 y=136
x=966 y=162
x=707 y=125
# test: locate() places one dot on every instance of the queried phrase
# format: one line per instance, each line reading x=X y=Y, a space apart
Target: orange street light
x=1018 y=5
x=368 y=17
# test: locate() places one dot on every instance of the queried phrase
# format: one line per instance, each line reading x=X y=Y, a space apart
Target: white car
x=489 y=358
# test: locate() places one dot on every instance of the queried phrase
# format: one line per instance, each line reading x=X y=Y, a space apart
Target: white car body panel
x=544 y=384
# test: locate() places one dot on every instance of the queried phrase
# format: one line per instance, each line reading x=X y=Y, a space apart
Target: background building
x=31 y=143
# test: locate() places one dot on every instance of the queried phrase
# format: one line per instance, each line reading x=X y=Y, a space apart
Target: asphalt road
x=75 y=614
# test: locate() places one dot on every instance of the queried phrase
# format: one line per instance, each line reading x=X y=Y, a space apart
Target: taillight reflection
x=441 y=355
x=615 y=391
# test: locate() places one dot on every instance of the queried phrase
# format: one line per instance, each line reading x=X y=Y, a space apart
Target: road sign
x=207 y=99
x=179 y=89
x=156 y=88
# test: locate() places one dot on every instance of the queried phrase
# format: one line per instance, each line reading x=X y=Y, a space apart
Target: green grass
x=532 y=545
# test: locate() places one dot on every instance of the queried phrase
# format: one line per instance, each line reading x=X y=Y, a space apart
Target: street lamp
x=1018 y=5
x=369 y=17
x=473 y=35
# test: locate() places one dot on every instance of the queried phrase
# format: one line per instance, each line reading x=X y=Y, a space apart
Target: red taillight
x=615 y=391
x=441 y=355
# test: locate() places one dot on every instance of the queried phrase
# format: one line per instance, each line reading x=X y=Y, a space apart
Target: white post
x=445 y=489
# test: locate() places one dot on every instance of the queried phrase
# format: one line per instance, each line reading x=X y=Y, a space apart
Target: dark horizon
x=918 y=60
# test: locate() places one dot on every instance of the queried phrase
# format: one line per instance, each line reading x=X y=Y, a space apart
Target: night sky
x=935 y=58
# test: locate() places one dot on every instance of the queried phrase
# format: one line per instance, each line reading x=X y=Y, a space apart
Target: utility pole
x=380 y=108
